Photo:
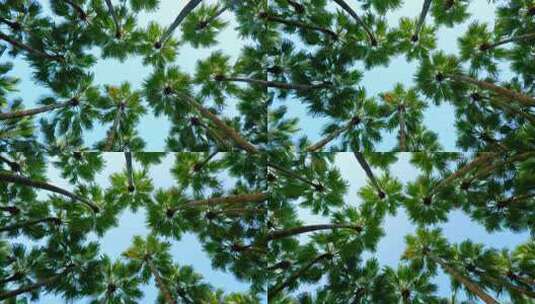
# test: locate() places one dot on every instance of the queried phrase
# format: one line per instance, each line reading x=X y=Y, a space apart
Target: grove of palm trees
x=267 y=151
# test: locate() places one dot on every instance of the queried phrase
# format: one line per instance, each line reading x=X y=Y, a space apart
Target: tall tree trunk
x=190 y=6
x=35 y=111
x=278 y=288
x=129 y=171
x=199 y=165
x=299 y=24
x=228 y=131
x=330 y=137
x=402 y=129
x=294 y=175
x=525 y=100
x=28 y=224
x=469 y=284
x=14 y=166
x=280 y=234
x=486 y=46
x=35 y=286
x=160 y=283
x=421 y=20
x=113 y=13
x=505 y=283
x=21 y=180
x=364 y=164
x=110 y=139
x=78 y=9
x=507 y=107
x=275 y=84
x=491 y=167
x=481 y=159
x=29 y=49
x=203 y=24
x=515 y=199
x=359 y=21
x=238 y=199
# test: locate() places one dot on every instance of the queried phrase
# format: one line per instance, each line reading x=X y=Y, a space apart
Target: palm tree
x=188 y=8
x=360 y=22
x=119 y=285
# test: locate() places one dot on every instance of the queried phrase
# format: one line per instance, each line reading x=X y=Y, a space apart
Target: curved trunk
x=280 y=234
x=160 y=283
x=35 y=111
x=485 y=47
x=359 y=21
x=320 y=144
x=490 y=168
x=32 y=287
x=402 y=129
x=228 y=131
x=505 y=283
x=294 y=175
x=113 y=13
x=203 y=24
x=198 y=166
x=481 y=159
x=278 y=288
x=129 y=170
x=29 y=49
x=190 y=6
x=15 y=167
x=28 y=224
x=21 y=180
x=78 y=9
x=364 y=164
x=511 y=109
x=230 y=200
x=525 y=100
x=515 y=199
x=276 y=84
x=299 y=24
x=421 y=19
x=469 y=284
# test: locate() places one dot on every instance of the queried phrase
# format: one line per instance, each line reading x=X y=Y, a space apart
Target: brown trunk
x=129 y=171
x=525 y=100
x=229 y=200
x=320 y=144
x=35 y=286
x=280 y=234
x=199 y=166
x=421 y=20
x=113 y=13
x=366 y=167
x=28 y=224
x=402 y=129
x=294 y=175
x=359 y=21
x=469 y=284
x=490 y=168
x=275 y=84
x=32 y=112
x=14 y=166
x=21 y=180
x=190 y=6
x=299 y=24
x=228 y=131
x=278 y=288
x=159 y=282
x=505 y=283
x=29 y=49
x=485 y=47
x=110 y=139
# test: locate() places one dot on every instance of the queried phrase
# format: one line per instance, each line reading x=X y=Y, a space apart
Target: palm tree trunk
x=298 y=7
x=507 y=107
x=505 y=283
x=525 y=100
x=294 y=175
x=228 y=131
x=160 y=283
x=481 y=159
x=275 y=84
x=364 y=164
x=515 y=199
x=12 y=210
x=238 y=199
x=129 y=171
x=485 y=47
x=78 y=9
x=190 y=6
x=402 y=129
x=421 y=19
x=278 y=288
x=15 y=167
x=280 y=234
x=35 y=111
x=113 y=13
x=359 y=21
x=13 y=277
x=203 y=24
x=110 y=139
x=30 y=223
x=198 y=166
x=29 y=49
x=21 y=180
x=490 y=168
x=320 y=144
x=469 y=284
x=32 y=287
x=299 y=24
x=15 y=26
